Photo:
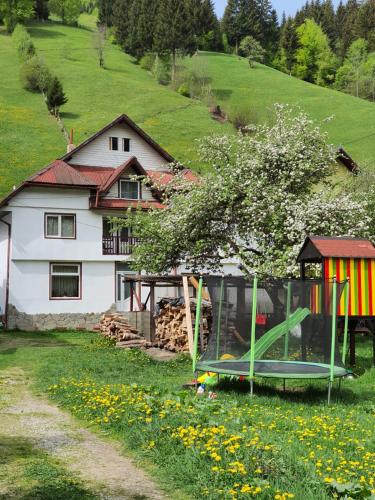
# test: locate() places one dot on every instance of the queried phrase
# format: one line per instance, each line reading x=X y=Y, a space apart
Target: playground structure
x=283 y=329
x=351 y=259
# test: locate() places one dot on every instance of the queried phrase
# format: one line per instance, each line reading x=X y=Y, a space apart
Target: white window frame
x=59 y=226
x=133 y=182
x=53 y=273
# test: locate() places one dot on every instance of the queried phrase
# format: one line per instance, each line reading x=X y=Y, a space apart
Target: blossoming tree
x=267 y=189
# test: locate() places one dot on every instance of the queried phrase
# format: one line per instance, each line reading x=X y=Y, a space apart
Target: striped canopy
x=361 y=274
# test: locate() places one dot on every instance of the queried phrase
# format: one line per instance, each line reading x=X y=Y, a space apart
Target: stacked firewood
x=115 y=326
x=171 y=331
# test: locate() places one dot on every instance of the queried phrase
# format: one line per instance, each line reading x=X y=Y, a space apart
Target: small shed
x=343 y=257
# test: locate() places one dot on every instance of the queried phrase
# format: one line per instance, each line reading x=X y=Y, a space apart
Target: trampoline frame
x=334 y=371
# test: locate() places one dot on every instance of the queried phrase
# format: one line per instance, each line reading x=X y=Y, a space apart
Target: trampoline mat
x=277 y=369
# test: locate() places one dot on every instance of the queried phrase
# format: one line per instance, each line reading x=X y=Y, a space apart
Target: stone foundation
x=41 y=322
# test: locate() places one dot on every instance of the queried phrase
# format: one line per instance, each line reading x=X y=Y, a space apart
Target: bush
x=184 y=90
x=242 y=118
x=35 y=75
x=147 y=61
x=162 y=70
x=23 y=42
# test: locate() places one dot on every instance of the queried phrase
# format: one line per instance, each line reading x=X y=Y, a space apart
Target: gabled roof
x=132 y=163
x=316 y=248
x=60 y=173
x=117 y=121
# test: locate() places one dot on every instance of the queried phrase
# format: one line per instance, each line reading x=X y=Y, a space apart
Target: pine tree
x=105 y=12
x=328 y=23
x=139 y=38
x=231 y=23
x=349 y=25
x=174 y=31
x=289 y=44
x=121 y=21
x=206 y=27
x=365 y=23
x=55 y=96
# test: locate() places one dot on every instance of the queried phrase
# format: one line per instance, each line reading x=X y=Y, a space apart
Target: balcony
x=118 y=245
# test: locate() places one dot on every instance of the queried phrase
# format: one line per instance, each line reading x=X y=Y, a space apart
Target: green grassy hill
x=30 y=138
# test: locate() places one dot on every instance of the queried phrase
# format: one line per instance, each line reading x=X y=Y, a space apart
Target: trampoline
x=283 y=329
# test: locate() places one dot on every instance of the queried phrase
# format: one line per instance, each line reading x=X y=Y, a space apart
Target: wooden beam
x=189 y=323
x=152 y=309
x=194 y=282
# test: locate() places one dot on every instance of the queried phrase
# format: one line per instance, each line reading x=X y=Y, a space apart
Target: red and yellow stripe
x=361 y=274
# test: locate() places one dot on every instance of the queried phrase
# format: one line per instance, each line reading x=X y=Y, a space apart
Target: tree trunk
x=173 y=76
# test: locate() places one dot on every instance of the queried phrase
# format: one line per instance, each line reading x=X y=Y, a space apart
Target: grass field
x=31 y=139
x=275 y=446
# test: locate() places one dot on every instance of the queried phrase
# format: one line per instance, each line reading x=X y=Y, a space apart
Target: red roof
x=164 y=177
x=59 y=172
x=341 y=247
x=97 y=175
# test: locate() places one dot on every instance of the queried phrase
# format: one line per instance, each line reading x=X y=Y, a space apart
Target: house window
x=60 y=226
x=113 y=143
x=126 y=144
x=129 y=190
x=65 y=281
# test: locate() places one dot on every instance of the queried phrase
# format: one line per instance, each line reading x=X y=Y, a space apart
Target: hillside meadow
x=31 y=138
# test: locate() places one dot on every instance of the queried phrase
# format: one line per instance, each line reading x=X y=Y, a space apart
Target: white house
x=60 y=263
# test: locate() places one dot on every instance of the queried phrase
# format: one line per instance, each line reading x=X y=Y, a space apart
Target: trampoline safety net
x=293 y=327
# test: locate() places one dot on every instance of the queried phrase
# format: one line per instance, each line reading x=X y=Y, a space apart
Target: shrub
x=242 y=117
x=147 y=61
x=23 y=42
x=35 y=75
x=161 y=70
x=184 y=90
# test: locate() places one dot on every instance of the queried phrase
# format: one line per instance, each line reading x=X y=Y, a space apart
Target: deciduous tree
x=15 y=11
x=265 y=202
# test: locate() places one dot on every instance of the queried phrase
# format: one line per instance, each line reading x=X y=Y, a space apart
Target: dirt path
x=98 y=463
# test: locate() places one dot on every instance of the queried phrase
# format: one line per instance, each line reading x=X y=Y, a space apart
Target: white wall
x=29 y=288
x=28 y=209
x=3 y=264
x=98 y=154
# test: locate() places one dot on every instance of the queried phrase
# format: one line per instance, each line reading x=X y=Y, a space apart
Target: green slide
x=265 y=342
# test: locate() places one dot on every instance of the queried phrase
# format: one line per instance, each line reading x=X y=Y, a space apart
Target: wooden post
x=189 y=323
x=131 y=297
x=152 y=310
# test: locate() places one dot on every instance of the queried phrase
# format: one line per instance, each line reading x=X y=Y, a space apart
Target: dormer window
x=130 y=190
x=126 y=144
x=113 y=143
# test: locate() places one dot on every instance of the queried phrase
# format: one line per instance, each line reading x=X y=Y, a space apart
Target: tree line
x=321 y=44
x=331 y=47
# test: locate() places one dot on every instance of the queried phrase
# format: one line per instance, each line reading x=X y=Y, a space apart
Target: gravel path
x=99 y=464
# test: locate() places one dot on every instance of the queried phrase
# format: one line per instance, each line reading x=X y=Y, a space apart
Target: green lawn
x=237 y=86
x=276 y=445
x=31 y=139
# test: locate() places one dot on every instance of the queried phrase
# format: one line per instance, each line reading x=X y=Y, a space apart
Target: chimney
x=70 y=146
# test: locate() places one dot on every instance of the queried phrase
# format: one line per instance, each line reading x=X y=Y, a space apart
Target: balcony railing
x=117 y=245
